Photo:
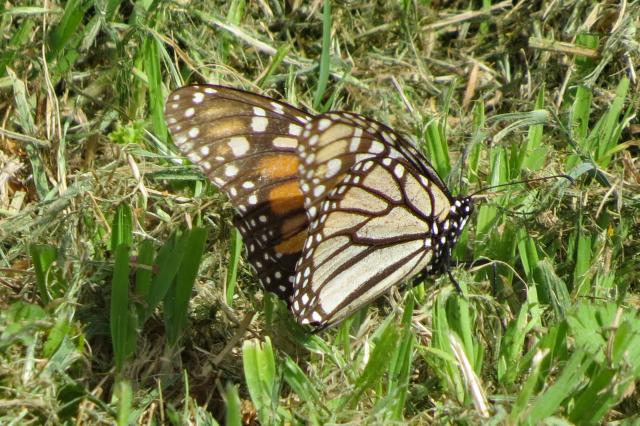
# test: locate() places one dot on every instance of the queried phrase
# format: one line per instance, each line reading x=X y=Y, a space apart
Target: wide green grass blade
x=400 y=364
x=68 y=27
x=232 y=414
x=534 y=154
x=443 y=360
x=123 y=319
x=260 y=375
x=610 y=129
x=513 y=344
x=144 y=269
x=437 y=147
x=519 y=411
x=168 y=262
x=124 y=394
x=42 y=257
x=153 y=74
x=122 y=228
x=176 y=301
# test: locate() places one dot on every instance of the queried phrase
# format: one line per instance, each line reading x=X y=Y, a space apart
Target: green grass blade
x=437 y=147
x=275 y=63
x=513 y=344
x=609 y=134
x=570 y=378
x=168 y=262
x=144 y=269
x=122 y=228
x=445 y=363
x=519 y=413
x=478 y=138
x=552 y=289
x=301 y=385
x=325 y=56
x=235 y=251
x=124 y=395
x=123 y=323
x=260 y=374
x=581 y=276
x=42 y=257
x=176 y=301
x=376 y=366
x=400 y=364
x=68 y=27
x=534 y=152
x=154 y=82
x=232 y=413
x=19 y=38
x=580 y=113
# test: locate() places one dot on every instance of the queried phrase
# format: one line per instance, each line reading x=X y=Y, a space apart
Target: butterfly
x=334 y=208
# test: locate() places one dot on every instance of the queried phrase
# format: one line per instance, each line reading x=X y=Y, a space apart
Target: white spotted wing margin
x=380 y=226
x=245 y=144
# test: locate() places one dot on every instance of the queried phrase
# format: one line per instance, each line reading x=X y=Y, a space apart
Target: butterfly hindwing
x=246 y=145
x=373 y=231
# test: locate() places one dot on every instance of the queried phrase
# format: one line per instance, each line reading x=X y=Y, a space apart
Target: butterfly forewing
x=335 y=141
x=246 y=145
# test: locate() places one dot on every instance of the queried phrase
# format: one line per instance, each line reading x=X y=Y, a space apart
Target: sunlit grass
x=123 y=291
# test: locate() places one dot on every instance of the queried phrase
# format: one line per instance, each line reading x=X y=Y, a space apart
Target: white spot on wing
x=259 y=124
x=239 y=145
x=376 y=147
x=230 y=170
x=333 y=167
x=295 y=130
x=398 y=170
x=355 y=140
x=189 y=112
x=283 y=142
x=324 y=124
x=198 y=97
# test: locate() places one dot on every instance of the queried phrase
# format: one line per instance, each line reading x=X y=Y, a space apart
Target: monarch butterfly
x=334 y=208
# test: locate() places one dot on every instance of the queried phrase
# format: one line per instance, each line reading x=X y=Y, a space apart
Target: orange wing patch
x=286 y=198
x=292 y=245
x=279 y=166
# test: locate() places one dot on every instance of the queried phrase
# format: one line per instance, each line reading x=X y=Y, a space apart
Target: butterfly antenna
x=559 y=176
